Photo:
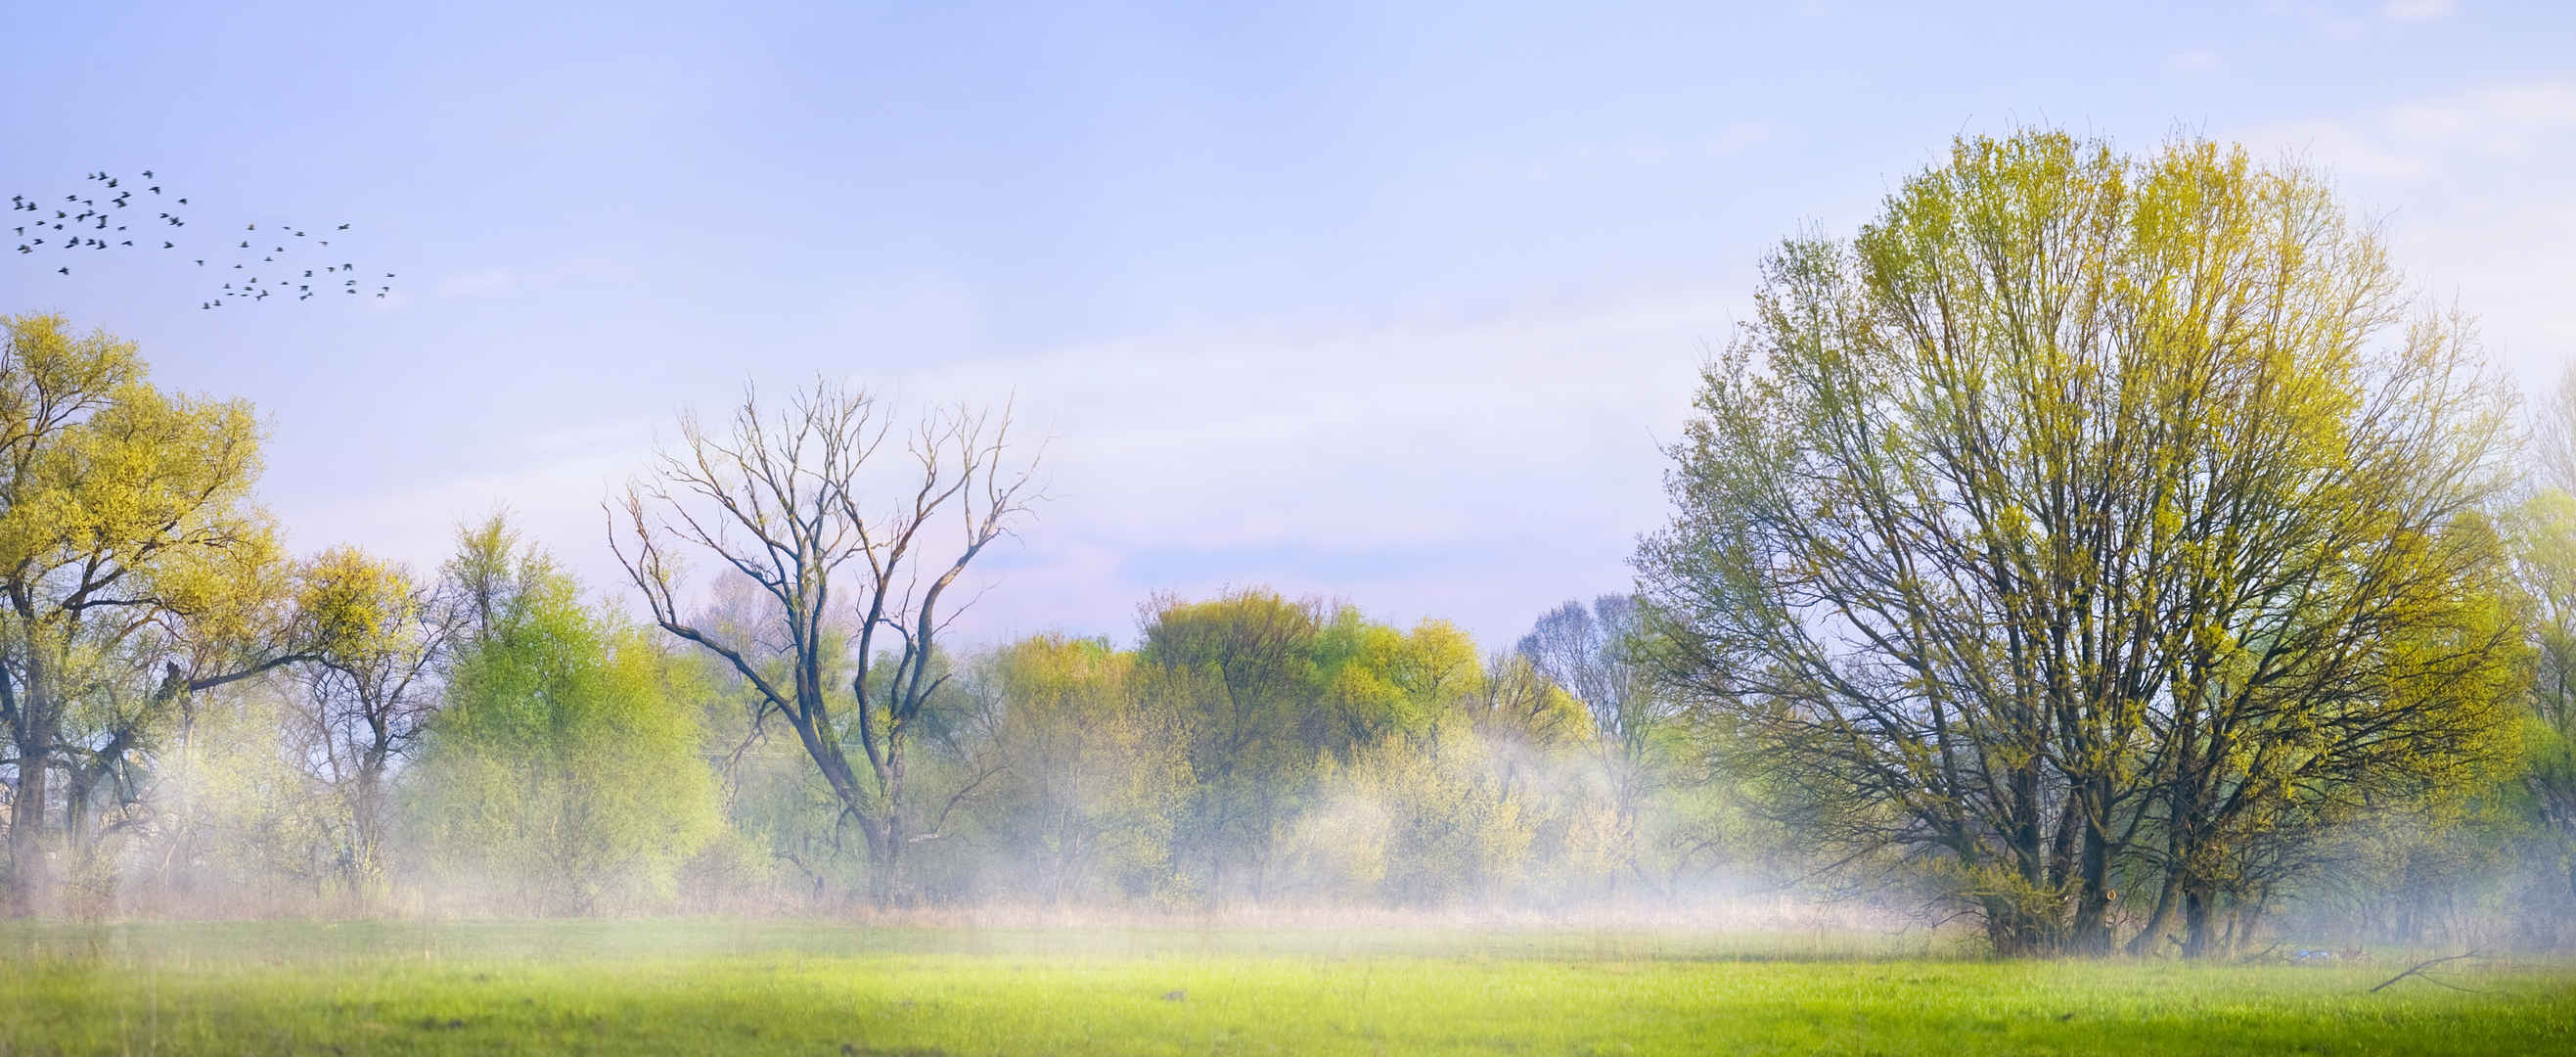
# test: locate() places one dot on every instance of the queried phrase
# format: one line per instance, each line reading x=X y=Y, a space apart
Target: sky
x=1387 y=303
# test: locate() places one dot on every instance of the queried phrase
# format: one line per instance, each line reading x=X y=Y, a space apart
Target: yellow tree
x=2087 y=513
x=1095 y=773
x=367 y=695
x=126 y=522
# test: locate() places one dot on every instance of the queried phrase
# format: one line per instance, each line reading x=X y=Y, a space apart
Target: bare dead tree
x=788 y=498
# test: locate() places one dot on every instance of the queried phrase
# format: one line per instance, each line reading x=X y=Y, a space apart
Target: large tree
x=130 y=550
x=807 y=502
x=2089 y=511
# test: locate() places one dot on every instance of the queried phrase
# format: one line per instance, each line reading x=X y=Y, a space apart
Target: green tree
x=1242 y=670
x=564 y=768
x=2089 y=510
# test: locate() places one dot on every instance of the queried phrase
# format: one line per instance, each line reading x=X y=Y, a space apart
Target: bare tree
x=781 y=496
x=1588 y=652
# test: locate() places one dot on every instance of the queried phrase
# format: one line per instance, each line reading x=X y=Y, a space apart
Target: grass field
x=828 y=988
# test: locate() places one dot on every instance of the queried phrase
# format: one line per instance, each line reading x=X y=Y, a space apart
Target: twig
x=2421 y=966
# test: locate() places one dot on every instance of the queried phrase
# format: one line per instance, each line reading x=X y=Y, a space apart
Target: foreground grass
x=825 y=989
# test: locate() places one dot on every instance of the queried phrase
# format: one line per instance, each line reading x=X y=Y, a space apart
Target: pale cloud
x=2417 y=10
x=1479 y=471
x=503 y=280
x=2476 y=192
x=2195 y=60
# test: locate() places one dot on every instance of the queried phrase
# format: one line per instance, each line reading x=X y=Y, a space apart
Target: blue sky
x=1386 y=302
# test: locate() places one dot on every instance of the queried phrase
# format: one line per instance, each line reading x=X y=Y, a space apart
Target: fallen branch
x=2419 y=967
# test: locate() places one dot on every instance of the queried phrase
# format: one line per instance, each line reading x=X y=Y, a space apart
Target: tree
x=1592 y=654
x=2088 y=511
x=782 y=498
x=1242 y=670
x=2545 y=575
x=128 y=542
x=365 y=699
x=1095 y=773
x=564 y=768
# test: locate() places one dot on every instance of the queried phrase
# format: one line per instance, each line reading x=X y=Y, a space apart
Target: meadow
x=801 y=987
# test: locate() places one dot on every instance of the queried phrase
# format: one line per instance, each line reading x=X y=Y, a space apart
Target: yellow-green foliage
x=2090 y=508
x=1094 y=773
x=564 y=773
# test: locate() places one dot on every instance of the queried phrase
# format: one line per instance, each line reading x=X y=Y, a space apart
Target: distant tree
x=1592 y=654
x=362 y=702
x=2545 y=574
x=1242 y=669
x=2090 y=510
x=564 y=769
x=782 y=496
x=1095 y=774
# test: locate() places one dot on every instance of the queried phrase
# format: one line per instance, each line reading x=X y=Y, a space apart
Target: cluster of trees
x=2113 y=545
x=201 y=722
x=2109 y=548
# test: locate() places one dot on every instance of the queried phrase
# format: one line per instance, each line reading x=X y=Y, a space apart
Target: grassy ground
x=824 y=989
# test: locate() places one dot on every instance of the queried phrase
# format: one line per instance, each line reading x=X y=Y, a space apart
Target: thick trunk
x=2091 y=932
x=2199 y=921
x=2167 y=896
x=30 y=874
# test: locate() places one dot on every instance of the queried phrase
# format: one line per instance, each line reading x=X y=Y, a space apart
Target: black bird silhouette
x=201 y=264
x=245 y=245
x=65 y=271
x=147 y=174
x=183 y=201
x=344 y=227
x=166 y=246
x=156 y=190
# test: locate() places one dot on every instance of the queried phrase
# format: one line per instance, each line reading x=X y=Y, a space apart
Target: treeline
x=202 y=723
x=2109 y=550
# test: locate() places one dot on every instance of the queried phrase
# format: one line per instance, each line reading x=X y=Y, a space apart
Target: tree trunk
x=30 y=876
x=2167 y=895
x=2199 y=918
x=2091 y=932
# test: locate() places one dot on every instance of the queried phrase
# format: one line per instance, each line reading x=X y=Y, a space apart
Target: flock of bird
x=98 y=218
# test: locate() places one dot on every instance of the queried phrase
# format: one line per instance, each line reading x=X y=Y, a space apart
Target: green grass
x=825 y=988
